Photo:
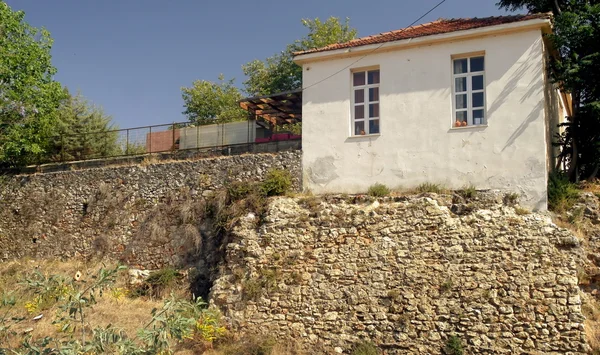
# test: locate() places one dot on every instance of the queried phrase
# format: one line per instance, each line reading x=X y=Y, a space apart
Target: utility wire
x=375 y=49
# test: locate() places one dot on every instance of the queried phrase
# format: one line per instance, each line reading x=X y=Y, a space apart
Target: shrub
x=562 y=194
x=238 y=190
x=365 y=348
x=454 y=346
x=378 y=190
x=159 y=281
x=429 y=187
x=277 y=182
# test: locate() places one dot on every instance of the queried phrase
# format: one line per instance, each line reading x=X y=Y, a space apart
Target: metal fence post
x=127 y=143
x=173 y=141
x=150 y=141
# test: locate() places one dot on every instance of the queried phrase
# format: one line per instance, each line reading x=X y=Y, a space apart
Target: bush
x=157 y=282
x=562 y=194
x=277 y=182
x=378 y=190
x=365 y=348
x=238 y=190
x=454 y=346
x=468 y=191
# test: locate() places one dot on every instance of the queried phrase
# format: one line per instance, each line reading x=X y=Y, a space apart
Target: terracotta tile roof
x=427 y=29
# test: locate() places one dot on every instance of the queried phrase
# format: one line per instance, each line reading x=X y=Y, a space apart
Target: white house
x=456 y=102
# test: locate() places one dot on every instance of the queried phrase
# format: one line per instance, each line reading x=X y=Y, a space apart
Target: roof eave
x=542 y=23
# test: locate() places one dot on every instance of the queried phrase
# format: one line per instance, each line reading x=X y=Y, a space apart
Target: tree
x=29 y=97
x=84 y=130
x=279 y=73
x=208 y=102
x=576 y=70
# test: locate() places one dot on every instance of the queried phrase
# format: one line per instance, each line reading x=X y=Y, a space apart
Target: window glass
x=359 y=128
x=374 y=110
x=461 y=101
x=477 y=64
x=460 y=84
x=359 y=78
x=374 y=77
x=461 y=116
x=478 y=99
x=374 y=94
x=373 y=126
x=478 y=117
x=359 y=112
x=477 y=83
x=359 y=96
x=460 y=66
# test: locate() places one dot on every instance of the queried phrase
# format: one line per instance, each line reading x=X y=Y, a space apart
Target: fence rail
x=225 y=138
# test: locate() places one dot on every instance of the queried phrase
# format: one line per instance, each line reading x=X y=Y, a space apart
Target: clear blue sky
x=133 y=56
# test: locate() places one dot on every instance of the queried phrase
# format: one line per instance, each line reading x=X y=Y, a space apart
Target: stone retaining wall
x=407 y=275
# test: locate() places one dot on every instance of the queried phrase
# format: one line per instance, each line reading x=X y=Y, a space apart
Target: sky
x=133 y=56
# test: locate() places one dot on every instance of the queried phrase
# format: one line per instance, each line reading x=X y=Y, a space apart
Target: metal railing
x=224 y=138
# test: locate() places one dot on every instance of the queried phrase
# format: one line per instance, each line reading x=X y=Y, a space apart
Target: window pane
x=359 y=128
x=359 y=78
x=461 y=116
x=478 y=99
x=460 y=84
x=478 y=117
x=374 y=110
x=374 y=94
x=461 y=101
x=359 y=112
x=374 y=77
x=359 y=96
x=373 y=126
x=477 y=83
x=477 y=64
x=460 y=66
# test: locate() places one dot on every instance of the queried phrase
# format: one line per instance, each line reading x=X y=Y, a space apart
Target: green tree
x=279 y=73
x=85 y=130
x=29 y=97
x=209 y=102
x=576 y=69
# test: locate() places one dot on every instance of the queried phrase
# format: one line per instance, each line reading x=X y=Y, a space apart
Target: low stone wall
x=146 y=216
x=407 y=274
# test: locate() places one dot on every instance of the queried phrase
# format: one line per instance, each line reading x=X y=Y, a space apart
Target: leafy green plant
x=277 y=182
x=238 y=190
x=562 y=194
x=365 y=348
x=378 y=190
x=446 y=286
x=454 y=346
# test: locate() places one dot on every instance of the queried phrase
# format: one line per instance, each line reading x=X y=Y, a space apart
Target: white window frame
x=366 y=102
x=469 y=75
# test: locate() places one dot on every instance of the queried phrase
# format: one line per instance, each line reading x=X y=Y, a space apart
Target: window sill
x=365 y=136
x=468 y=127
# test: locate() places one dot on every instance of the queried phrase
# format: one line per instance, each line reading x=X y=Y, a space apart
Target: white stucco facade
x=417 y=141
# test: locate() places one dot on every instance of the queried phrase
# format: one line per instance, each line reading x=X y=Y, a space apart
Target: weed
x=511 y=198
x=159 y=281
x=562 y=194
x=265 y=282
x=378 y=190
x=311 y=203
x=576 y=216
x=520 y=211
x=430 y=187
x=446 y=286
x=468 y=192
x=365 y=348
x=454 y=346
x=276 y=183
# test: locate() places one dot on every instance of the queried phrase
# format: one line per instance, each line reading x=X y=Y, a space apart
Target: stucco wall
x=417 y=142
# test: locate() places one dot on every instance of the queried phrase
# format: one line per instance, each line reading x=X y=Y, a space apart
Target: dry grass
x=591 y=310
x=112 y=307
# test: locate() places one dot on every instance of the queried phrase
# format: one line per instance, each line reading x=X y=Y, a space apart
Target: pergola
x=277 y=109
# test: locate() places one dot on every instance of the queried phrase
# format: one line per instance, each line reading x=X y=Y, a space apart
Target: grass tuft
x=378 y=190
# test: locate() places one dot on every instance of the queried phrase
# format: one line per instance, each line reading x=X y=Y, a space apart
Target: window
x=365 y=102
x=469 y=91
